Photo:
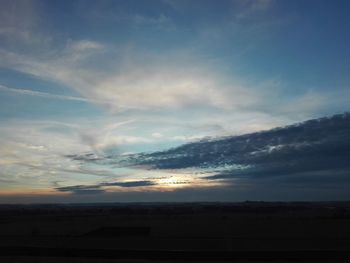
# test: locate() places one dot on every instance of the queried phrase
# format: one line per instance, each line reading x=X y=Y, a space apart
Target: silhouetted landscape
x=176 y=232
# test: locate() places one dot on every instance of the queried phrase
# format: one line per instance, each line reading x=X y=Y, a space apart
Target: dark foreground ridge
x=176 y=232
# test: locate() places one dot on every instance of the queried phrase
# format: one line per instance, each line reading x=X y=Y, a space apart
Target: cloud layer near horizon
x=314 y=154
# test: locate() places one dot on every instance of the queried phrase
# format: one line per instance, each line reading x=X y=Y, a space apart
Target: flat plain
x=176 y=232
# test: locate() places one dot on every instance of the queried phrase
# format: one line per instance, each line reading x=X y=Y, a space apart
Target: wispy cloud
x=122 y=77
x=14 y=32
x=42 y=94
x=251 y=8
x=35 y=153
x=130 y=83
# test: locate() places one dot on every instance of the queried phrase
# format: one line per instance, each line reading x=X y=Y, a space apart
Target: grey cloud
x=88 y=157
x=78 y=170
x=81 y=189
x=130 y=184
x=98 y=188
x=11 y=27
x=319 y=147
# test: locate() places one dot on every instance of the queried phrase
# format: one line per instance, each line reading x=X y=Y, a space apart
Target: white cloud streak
x=42 y=94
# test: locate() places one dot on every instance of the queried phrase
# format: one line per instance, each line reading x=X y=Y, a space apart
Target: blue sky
x=122 y=77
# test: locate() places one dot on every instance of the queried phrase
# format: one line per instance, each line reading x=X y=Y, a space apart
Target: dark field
x=176 y=232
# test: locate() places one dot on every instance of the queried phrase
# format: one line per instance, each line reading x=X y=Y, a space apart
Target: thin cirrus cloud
x=42 y=94
x=135 y=85
x=132 y=83
x=139 y=78
x=136 y=78
x=148 y=82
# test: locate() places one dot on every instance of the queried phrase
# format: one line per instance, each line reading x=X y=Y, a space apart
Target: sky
x=93 y=94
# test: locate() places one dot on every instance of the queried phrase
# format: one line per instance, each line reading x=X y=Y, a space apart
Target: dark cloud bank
x=97 y=188
x=305 y=161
